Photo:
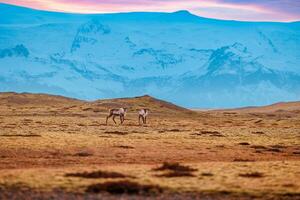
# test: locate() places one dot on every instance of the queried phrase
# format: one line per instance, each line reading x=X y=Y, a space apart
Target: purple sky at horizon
x=245 y=10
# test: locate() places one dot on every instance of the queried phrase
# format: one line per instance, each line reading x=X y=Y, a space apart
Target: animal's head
x=125 y=109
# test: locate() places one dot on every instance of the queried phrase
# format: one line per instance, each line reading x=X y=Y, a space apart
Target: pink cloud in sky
x=248 y=10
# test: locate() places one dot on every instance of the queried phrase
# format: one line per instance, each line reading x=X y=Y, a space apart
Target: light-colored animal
x=121 y=112
x=143 y=113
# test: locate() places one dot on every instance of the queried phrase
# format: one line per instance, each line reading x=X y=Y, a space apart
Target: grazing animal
x=121 y=112
x=143 y=113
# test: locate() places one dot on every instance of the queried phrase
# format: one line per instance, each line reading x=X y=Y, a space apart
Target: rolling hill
x=64 y=105
x=41 y=103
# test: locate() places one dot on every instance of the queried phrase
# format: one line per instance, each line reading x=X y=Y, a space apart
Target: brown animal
x=121 y=112
x=143 y=113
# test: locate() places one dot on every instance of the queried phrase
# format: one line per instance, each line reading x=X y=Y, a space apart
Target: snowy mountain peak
x=183 y=12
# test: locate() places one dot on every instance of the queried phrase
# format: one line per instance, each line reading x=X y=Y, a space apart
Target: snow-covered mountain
x=180 y=57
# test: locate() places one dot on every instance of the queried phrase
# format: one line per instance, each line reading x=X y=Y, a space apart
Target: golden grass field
x=60 y=148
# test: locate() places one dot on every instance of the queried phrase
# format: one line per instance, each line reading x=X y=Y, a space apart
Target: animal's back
x=143 y=112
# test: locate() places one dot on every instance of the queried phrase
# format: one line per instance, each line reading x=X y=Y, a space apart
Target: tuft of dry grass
x=244 y=143
x=277 y=150
x=174 y=130
x=175 y=170
x=252 y=175
x=124 y=147
x=116 y=132
x=98 y=174
x=84 y=153
x=174 y=167
x=206 y=174
x=210 y=133
x=278 y=146
x=176 y=174
x=124 y=187
x=21 y=135
x=242 y=160
x=260 y=147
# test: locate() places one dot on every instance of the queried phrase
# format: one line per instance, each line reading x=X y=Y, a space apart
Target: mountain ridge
x=194 y=63
x=180 y=12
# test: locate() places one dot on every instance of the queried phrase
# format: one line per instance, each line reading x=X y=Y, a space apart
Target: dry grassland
x=56 y=147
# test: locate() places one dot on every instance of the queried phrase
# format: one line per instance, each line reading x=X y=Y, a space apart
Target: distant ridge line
x=133 y=12
x=286 y=106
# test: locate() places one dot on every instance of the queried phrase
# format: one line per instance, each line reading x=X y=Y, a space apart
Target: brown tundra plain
x=52 y=147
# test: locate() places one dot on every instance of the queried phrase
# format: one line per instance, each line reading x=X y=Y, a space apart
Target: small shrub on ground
x=97 y=174
x=174 y=167
x=124 y=187
x=252 y=175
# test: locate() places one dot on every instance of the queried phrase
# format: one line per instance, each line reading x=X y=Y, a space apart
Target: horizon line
x=175 y=11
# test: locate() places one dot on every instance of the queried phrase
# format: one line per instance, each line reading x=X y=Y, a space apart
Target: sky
x=244 y=10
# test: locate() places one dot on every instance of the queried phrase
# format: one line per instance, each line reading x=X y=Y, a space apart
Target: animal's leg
x=114 y=119
x=145 y=119
x=140 y=119
x=108 y=118
x=121 y=119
